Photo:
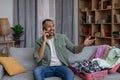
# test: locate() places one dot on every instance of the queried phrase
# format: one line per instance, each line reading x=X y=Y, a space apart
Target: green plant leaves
x=17 y=31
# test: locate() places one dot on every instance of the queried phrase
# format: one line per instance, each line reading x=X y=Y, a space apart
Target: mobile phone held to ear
x=44 y=29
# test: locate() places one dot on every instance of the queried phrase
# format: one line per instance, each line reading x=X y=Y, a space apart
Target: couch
x=25 y=57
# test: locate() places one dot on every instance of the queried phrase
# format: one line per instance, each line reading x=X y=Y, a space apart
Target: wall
x=6 y=10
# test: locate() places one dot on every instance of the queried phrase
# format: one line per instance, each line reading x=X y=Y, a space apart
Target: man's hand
x=45 y=34
x=88 y=41
x=42 y=48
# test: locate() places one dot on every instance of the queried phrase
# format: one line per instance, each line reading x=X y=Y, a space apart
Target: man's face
x=49 y=27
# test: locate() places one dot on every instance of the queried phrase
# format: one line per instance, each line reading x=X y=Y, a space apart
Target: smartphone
x=46 y=32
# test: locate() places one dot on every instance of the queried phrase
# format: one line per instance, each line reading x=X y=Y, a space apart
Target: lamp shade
x=5 y=28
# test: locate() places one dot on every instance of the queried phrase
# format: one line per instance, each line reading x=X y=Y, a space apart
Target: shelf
x=116 y=38
x=117 y=8
x=2 y=42
x=99 y=19
x=8 y=42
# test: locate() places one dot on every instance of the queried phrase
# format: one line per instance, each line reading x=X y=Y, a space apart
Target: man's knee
x=68 y=71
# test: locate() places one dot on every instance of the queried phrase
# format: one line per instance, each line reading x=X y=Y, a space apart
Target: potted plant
x=17 y=32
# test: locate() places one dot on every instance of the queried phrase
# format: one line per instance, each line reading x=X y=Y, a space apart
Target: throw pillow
x=11 y=65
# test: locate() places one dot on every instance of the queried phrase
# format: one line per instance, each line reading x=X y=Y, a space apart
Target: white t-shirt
x=54 y=59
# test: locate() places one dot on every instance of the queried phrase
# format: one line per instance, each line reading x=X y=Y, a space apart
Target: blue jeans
x=42 y=72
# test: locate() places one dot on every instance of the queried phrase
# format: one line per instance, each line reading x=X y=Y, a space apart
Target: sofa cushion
x=29 y=76
x=11 y=65
x=115 y=76
x=1 y=71
x=86 y=53
x=57 y=78
x=24 y=56
x=24 y=76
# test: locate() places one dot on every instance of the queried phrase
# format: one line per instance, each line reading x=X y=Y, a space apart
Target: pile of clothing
x=86 y=66
x=105 y=57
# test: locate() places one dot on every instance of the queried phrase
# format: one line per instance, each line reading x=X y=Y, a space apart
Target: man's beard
x=51 y=35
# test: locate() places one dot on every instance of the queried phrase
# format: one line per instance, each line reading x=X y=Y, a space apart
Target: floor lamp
x=5 y=30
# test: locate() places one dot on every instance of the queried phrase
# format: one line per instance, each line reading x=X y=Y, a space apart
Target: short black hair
x=45 y=21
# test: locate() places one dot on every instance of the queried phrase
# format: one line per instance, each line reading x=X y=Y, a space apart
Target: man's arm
x=87 y=42
x=80 y=47
x=42 y=49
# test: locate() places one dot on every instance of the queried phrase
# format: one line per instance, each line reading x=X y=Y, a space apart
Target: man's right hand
x=45 y=34
x=42 y=48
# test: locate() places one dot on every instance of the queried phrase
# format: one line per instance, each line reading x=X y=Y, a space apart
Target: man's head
x=48 y=26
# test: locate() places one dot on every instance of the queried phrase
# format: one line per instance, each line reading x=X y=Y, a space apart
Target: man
x=50 y=53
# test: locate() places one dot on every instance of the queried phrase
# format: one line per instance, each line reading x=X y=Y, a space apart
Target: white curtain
x=46 y=9
x=30 y=14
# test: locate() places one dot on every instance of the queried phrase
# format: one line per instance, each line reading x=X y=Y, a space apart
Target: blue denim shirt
x=61 y=43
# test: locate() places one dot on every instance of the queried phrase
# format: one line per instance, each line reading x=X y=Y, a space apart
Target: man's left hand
x=88 y=41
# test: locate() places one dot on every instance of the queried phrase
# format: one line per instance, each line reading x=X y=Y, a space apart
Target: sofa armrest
x=2 y=72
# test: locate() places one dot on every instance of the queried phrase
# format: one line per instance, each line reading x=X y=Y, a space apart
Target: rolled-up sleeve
x=70 y=46
x=36 y=50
